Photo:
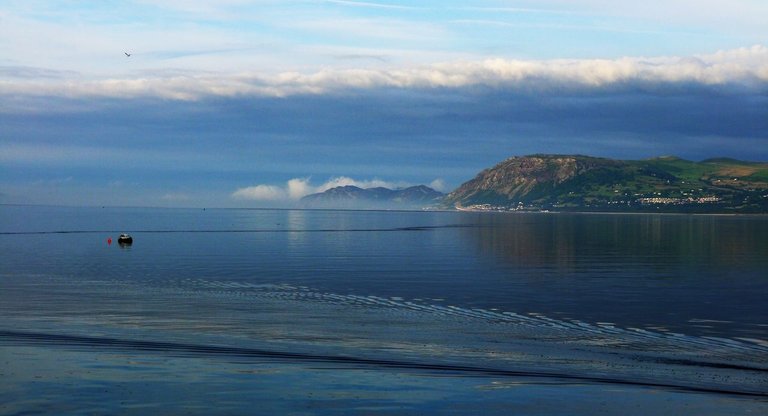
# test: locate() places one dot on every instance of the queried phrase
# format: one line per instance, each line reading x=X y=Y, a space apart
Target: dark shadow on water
x=434 y=369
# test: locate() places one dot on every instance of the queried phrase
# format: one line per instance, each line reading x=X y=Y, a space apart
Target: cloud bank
x=297 y=188
x=746 y=67
x=200 y=138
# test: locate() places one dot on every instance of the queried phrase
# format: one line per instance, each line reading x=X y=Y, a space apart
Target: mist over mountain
x=353 y=197
x=544 y=182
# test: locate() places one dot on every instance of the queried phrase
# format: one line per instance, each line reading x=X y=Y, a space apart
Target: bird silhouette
x=127 y=54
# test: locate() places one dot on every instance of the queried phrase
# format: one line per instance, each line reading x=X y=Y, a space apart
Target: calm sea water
x=363 y=312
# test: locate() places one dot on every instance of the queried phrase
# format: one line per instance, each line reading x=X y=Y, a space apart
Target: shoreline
x=425 y=210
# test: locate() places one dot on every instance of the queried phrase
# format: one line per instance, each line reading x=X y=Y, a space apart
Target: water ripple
x=198 y=350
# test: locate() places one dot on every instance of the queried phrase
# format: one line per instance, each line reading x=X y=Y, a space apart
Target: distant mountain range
x=353 y=197
x=580 y=183
x=584 y=183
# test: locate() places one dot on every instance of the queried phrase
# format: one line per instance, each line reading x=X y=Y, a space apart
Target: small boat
x=125 y=239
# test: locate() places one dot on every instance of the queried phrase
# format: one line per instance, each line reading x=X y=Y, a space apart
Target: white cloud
x=373 y=5
x=260 y=193
x=345 y=181
x=438 y=185
x=744 y=66
x=297 y=188
x=711 y=14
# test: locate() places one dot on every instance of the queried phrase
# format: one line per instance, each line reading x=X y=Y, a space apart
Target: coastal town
x=638 y=202
x=538 y=183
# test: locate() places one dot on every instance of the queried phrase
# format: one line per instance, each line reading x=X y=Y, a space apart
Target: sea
x=322 y=312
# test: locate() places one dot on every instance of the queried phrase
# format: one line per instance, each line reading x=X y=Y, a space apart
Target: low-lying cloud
x=744 y=66
x=296 y=188
x=260 y=193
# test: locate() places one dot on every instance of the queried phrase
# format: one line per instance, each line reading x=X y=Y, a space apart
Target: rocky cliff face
x=522 y=178
x=583 y=183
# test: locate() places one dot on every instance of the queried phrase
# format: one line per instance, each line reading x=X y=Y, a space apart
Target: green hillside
x=583 y=183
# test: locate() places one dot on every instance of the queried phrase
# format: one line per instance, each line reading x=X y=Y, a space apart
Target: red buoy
x=109 y=241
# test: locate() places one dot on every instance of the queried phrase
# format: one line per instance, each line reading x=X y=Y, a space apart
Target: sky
x=236 y=103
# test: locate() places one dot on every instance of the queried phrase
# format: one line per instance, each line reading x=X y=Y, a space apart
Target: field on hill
x=668 y=184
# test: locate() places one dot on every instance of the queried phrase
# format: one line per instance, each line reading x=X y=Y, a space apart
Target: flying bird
x=127 y=54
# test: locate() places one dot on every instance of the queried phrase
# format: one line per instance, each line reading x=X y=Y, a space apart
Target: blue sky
x=256 y=103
